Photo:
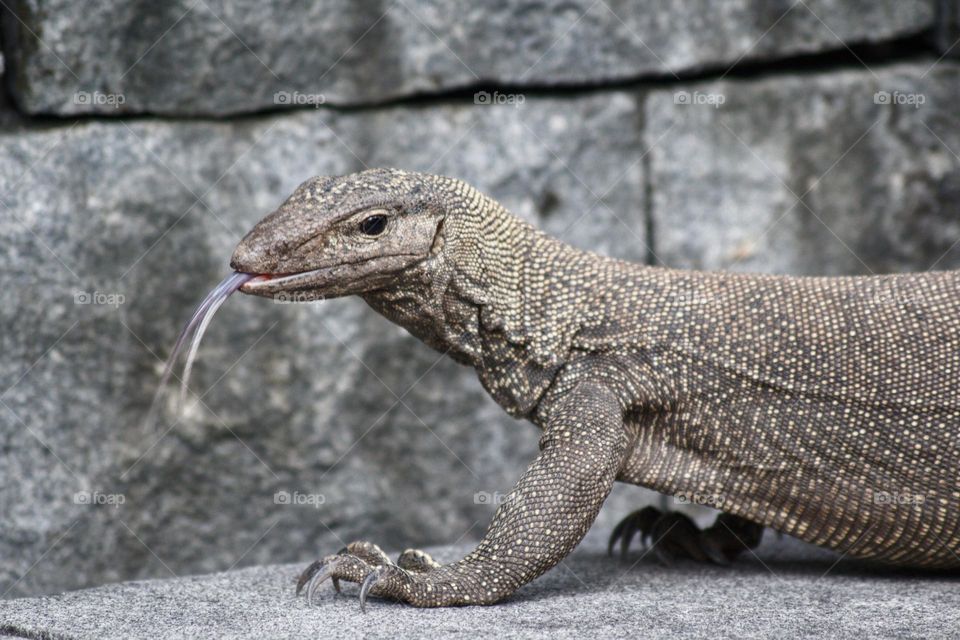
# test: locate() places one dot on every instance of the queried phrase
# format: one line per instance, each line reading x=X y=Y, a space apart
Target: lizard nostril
x=238 y=260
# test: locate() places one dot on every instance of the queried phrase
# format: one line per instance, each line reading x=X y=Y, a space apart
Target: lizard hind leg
x=674 y=535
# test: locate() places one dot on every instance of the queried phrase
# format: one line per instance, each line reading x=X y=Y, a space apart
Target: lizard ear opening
x=437 y=245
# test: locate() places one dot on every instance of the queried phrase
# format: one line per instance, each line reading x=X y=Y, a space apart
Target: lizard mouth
x=269 y=284
x=329 y=281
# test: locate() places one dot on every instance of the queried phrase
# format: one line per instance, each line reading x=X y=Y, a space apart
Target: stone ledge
x=788 y=589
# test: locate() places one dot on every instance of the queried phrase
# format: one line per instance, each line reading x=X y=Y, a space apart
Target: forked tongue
x=197 y=325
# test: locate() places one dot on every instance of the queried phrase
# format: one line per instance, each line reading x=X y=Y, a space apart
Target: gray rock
x=205 y=57
x=112 y=232
x=787 y=590
x=946 y=36
x=826 y=174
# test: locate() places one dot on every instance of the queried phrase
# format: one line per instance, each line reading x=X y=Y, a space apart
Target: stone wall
x=138 y=142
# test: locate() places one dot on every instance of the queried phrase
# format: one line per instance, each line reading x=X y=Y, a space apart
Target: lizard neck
x=489 y=297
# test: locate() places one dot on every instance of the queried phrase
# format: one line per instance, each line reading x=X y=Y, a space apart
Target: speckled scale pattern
x=826 y=408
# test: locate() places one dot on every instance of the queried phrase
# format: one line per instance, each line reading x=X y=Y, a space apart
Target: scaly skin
x=825 y=408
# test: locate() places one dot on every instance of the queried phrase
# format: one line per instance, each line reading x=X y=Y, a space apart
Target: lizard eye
x=373 y=225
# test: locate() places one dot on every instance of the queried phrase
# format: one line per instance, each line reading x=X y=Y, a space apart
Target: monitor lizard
x=826 y=408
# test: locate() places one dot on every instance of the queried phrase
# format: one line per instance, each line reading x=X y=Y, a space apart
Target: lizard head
x=343 y=235
x=425 y=251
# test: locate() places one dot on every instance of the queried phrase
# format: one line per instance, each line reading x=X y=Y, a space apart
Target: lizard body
x=825 y=408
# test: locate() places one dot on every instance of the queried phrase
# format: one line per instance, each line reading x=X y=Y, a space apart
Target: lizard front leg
x=541 y=521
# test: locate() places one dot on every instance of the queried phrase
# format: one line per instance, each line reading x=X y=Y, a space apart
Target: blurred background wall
x=140 y=140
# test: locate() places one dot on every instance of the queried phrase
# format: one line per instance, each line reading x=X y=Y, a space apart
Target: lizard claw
x=676 y=536
x=642 y=521
x=307 y=574
x=318 y=576
x=368 y=583
x=367 y=565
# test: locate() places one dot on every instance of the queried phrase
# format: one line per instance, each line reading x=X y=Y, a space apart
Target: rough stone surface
x=788 y=590
x=826 y=174
x=302 y=399
x=223 y=57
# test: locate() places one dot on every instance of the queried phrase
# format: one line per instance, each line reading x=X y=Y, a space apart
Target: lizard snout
x=254 y=256
x=247 y=260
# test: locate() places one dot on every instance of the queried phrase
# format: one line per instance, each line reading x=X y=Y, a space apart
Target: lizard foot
x=675 y=535
x=366 y=564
